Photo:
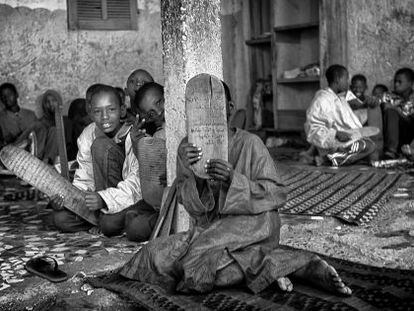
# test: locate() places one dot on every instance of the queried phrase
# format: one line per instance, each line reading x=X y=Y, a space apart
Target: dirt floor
x=386 y=241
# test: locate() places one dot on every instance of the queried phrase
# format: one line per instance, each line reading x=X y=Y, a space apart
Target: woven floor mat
x=373 y=289
x=353 y=196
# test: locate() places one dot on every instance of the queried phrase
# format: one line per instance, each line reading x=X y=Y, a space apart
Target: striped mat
x=373 y=289
x=355 y=197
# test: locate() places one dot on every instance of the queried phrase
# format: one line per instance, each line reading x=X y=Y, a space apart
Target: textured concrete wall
x=37 y=51
x=380 y=38
x=236 y=69
x=191 y=34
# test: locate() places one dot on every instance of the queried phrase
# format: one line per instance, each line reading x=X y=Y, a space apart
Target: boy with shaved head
x=137 y=79
x=149 y=103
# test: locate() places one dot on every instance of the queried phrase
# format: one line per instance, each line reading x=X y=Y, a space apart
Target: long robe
x=235 y=226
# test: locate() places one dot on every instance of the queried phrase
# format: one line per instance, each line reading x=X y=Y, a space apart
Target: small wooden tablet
x=46 y=179
x=205 y=106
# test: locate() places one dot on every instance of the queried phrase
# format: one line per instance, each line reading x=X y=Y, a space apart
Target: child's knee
x=139 y=228
x=62 y=220
x=109 y=226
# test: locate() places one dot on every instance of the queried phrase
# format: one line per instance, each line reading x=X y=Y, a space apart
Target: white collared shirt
x=327 y=114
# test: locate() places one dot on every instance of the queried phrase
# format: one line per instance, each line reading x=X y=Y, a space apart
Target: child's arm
x=83 y=178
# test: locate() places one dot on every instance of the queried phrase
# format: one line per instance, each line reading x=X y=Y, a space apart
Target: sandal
x=46 y=267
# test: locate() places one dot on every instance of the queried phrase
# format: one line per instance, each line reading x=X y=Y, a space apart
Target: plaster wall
x=380 y=38
x=37 y=52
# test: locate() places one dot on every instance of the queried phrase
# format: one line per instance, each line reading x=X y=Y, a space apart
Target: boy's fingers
x=192 y=149
x=193 y=154
x=193 y=160
x=217 y=176
x=139 y=123
x=217 y=171
x=221 y=165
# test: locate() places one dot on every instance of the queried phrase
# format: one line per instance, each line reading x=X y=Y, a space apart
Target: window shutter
x=102 y=14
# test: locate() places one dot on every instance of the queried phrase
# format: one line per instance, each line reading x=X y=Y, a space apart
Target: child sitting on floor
x=50 y=101
x=362 y=104
x=149 y=102
x=108 y=169
x=378 y=91
x=399 y=113
x=358 y=86
x=136 y=80
x=17 y=123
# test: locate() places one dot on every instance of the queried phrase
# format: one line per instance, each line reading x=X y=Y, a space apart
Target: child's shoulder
x=88 y=132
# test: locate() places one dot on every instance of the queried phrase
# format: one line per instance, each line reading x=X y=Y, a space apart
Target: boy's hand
x=189 y=153
x=137 y=132
x=56 y=202
x=355 y=104
x=372 y=102
x=343 y=137
x=94 y=201
x=220 y=170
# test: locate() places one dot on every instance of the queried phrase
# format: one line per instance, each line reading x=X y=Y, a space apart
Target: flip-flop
x=46 y=267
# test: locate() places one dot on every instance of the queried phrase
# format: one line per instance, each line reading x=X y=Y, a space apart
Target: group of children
x=102 y=135
x=17 y=123
x=223 y=247
x=341 y=111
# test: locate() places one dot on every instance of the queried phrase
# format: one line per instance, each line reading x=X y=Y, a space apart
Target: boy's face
x=51 y=102
x=343 y=82
x=402 y=84
x=151 y=108
x=378 y=92
x=106 y=112
x=358 y=87
x=135 y=81
x=9 y=98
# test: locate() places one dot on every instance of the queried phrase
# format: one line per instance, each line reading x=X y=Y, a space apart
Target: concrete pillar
x=191 y=36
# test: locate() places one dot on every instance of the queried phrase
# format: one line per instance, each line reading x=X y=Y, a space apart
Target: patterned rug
x=352 y=196
x=373 y=289
x=25 y=232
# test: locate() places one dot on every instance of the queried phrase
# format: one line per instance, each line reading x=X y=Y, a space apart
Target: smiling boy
x=108 y=169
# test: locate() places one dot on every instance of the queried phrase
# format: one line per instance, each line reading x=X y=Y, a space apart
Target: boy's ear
x=123 y=111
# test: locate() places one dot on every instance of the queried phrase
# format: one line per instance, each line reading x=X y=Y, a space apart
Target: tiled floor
x=25 y=232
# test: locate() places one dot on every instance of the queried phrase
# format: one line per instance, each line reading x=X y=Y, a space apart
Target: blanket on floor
x=373 y=289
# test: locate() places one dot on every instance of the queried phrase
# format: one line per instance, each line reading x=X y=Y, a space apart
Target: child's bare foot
x=321 y=274
x=285 y=284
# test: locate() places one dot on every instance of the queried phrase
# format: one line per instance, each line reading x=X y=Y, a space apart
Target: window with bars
x=102 y=14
